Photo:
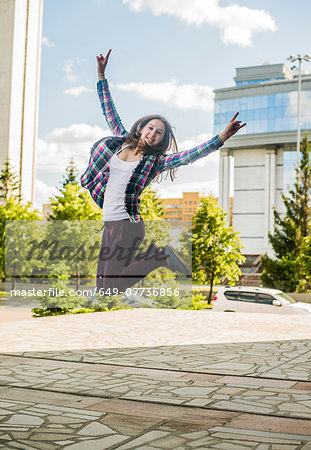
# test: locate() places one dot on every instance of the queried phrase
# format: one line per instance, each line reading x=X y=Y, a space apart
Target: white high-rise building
x=264 y=152
x=20 y=51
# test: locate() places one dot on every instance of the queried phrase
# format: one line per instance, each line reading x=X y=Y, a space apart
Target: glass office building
x=264 y=152
x=267 y=113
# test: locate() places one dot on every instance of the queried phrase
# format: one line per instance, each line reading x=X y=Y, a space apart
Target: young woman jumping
x=120 y=168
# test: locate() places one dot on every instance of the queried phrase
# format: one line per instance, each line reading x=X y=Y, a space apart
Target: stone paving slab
x=176 y=388
x=121 y=424
x=285 y=360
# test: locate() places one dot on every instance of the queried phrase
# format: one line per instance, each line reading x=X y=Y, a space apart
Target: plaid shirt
x=96 y=176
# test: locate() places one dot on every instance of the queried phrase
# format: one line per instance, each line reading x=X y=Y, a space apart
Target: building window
x=173 y=206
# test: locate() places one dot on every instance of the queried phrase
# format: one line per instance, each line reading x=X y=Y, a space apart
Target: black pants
x=120 y=264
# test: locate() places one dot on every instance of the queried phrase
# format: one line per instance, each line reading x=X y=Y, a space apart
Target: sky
x=167 y=57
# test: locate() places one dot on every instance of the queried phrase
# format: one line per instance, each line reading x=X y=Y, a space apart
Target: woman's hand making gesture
x=233 y=127
x=102 y=62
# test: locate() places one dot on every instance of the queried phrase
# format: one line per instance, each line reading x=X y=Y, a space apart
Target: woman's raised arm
x=175 y=160
x=111 y=115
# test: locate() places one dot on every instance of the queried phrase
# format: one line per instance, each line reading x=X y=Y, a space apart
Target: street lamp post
x=299 y=58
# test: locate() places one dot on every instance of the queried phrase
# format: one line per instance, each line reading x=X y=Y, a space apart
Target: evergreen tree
x=290 y=230
x=71 y=176
x=9 y=183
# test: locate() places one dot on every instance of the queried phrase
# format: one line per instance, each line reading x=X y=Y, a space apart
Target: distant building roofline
x=259 y=88
x=263 y=72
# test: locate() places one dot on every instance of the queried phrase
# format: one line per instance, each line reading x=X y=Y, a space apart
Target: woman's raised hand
x=102 y=64
x=233 y=127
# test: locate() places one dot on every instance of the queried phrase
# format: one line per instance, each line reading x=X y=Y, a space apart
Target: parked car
x=257 y=300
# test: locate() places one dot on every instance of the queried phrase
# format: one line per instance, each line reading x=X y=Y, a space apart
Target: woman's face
x=153 y=132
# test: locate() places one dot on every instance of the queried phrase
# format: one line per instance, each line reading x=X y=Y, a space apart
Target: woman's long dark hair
x=167 y=144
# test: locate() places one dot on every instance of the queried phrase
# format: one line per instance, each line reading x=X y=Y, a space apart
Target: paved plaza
x=155 y=379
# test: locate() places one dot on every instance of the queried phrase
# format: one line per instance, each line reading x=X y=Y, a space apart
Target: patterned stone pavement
x=247 y=394
x=264 y=396
x=113 y=424
x=280 y=359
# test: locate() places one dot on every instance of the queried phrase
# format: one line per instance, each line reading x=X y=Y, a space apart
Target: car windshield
x=286 y=297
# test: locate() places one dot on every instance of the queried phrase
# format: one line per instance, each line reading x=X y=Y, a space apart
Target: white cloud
x=62 y=144
x=78 y=90
x=237 y=24
x=187 y=144
x=68 y=66
x=42 y=193
x=46 y=42
x=183 y=96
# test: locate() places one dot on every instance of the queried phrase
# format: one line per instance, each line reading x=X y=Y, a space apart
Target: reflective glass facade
x=289 y=166
x=242 y=83
x=265 y=113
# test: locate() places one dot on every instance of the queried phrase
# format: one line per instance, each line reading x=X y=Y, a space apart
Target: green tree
x=153 y=213
x=9 y=183
x=59 y=275
x=14 y=210
x=157 y=231
x=290 y=230
x=73 y=203
x=71 y=176
x=69 y=205
x=216 y=247
x=151 y=207
x=304 y=263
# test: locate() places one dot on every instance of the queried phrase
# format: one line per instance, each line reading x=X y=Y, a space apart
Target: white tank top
x=120 y=174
